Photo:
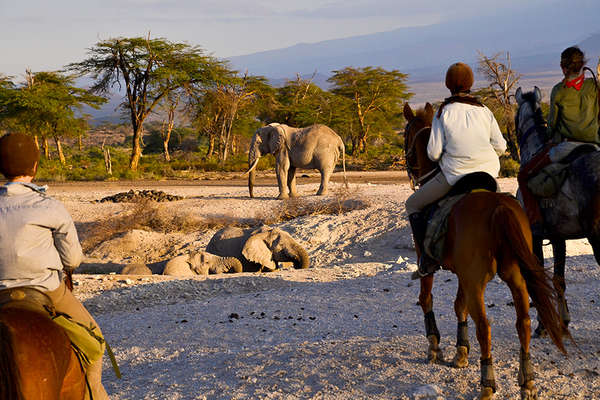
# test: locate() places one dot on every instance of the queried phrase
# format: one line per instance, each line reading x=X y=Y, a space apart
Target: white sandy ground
x=347 y=328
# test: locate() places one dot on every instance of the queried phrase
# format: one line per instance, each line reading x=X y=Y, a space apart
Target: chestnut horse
x=488 y=233
x=36 y=358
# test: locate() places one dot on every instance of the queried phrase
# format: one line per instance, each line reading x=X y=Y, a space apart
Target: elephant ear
x=255 y=250
x=277 y=138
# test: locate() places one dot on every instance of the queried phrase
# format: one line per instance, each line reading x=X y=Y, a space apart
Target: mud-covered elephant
x=201 y=263
x=259 y=249
x=314 y=147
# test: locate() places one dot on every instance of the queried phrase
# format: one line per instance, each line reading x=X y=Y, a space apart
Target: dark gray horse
x=574 y=211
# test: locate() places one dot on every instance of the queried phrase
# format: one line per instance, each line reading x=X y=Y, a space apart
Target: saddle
x=437 y=213
x=548 y=181
x=28 y=298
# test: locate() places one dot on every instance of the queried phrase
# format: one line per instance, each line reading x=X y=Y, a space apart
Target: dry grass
x=342 y=201
x=152 y=216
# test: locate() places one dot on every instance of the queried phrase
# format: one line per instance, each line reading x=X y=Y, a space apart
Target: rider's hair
x=572 y=60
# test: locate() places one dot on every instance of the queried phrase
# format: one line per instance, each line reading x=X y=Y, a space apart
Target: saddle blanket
x=435 y=235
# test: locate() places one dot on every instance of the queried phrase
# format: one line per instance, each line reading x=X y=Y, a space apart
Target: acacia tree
x=48 y=105
x=302 y=103
x=149 y=69
x=501 y=79
x=218 y=108
x=375 y=94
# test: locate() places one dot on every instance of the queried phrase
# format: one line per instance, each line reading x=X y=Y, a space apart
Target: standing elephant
x=259 y=249
x=314 y=147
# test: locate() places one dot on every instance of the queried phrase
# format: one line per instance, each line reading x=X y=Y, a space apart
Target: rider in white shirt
x=465 y=138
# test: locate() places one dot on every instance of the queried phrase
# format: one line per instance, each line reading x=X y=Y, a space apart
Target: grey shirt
x=37 y=238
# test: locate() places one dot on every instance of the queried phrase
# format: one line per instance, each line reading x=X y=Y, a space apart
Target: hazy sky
x=46 y=35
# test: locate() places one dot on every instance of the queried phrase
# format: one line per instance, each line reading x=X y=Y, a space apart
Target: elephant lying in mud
x=259 y=249
x=201 y=263
x=314 y=147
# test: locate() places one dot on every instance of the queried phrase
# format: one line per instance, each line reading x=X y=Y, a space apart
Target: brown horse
x=488 y=233
x=36 y=358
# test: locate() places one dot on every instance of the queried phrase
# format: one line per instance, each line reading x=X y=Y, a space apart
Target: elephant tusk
x=252 y=167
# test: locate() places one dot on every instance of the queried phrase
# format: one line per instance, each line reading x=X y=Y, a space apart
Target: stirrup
x=427 y=266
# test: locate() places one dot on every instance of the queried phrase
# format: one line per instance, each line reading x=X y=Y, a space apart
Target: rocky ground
x=347 y=328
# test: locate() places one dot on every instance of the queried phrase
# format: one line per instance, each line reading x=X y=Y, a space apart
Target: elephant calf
x=201 y=263
x=259 y=249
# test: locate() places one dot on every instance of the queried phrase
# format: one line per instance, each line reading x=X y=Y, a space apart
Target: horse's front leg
x=461 y=358
x=434 y=353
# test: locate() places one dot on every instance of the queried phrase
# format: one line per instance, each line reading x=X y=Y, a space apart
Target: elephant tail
x=343 y=150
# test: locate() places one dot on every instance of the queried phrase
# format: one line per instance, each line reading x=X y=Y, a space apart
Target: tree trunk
x=80 y=143
x=61 y=155
x=46 y=147
x=136 y=149
x=211 y=146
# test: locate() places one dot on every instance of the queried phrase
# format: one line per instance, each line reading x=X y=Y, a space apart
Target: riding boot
x=427 y=265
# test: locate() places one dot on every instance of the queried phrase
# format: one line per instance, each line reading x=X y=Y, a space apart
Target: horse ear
x=519 y=95
x=538 y=94
x=408 y=112
x=429 y=111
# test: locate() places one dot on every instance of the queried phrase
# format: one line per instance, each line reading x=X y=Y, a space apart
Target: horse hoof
x=461 y=358
x=434 y=353
x=487 y=393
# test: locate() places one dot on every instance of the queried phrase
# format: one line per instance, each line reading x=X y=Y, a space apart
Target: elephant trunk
x=231 y=264
x=299 y=257
x=253 y=156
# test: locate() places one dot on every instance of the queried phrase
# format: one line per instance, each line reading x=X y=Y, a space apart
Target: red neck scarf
x=575 y=83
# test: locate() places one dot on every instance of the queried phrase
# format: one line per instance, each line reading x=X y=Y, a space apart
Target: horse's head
x=416 y=137
x=529 y=123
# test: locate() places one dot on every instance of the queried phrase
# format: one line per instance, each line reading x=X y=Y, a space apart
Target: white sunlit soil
x=347 y=328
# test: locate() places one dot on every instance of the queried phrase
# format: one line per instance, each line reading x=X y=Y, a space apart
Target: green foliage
x=509 y=167
x=150 y=70
x=374 y=99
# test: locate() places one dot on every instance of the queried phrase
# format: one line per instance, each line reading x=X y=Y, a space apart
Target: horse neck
x=426 y=166
x=535 y=134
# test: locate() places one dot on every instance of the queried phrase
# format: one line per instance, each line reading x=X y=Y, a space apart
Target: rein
x=410 y=169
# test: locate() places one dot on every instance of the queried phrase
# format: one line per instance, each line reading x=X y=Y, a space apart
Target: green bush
x=508 y=167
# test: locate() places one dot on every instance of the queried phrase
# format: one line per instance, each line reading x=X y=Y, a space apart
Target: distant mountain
x=534 y=37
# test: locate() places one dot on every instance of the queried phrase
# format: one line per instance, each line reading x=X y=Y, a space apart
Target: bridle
x=412 y=170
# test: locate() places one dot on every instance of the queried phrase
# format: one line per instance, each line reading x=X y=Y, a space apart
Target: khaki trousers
x=65 y=302
x=429 y=193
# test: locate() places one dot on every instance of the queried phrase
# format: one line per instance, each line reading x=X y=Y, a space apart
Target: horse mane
x=538 y=116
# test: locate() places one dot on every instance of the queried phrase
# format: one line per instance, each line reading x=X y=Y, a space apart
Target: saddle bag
x=549 y=180
x=87 y=341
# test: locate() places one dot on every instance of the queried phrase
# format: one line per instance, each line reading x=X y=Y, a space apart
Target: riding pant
x=429 y=193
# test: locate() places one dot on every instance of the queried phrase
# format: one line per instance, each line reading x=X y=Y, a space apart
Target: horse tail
x=9 y=374
x=538 y=282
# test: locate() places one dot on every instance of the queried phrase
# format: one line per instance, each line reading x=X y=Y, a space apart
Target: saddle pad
x=435 y=235
x=549 y=180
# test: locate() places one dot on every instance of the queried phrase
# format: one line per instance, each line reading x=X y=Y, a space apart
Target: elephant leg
x=325 y=175
x=282 y=167
x=291 y=181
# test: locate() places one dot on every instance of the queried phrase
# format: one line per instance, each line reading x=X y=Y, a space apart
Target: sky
x=44 y=35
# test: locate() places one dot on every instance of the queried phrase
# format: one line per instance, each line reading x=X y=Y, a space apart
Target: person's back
x=574 y=107
x=38 y=240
